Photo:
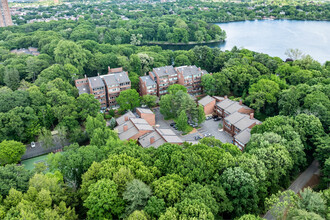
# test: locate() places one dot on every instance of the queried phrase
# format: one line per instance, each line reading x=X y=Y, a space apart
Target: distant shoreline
x=183 y=44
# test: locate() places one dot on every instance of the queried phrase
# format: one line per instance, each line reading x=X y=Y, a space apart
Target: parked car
x=33 y=144
x=217 y=119
x=194 y=125
x=172 y=124
x=208 y=118
x=215 y=116
x=198 y=137
x=207 y=135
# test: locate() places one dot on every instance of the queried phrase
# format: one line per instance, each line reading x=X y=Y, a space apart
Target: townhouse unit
x=105 y=88
x=208 y=104
x=115 y=83
x=164 y=77
x=133 y=129
x=148 y=86
x=159 y=137
x=191 y=78
x=147 y=114
x=95 y=86
x=142 y=127
x=225 y=107
x=159 y=79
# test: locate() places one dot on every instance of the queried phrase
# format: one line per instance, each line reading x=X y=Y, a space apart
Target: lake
x=274 y=37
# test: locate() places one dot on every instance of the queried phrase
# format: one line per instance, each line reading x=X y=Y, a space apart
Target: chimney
x=251 y=115
x=199 y=69
x=226 y=97
x=241 y=102
x=126 y=118
x=109 y=69
x=125 y=127
x=85 y=76
x=98 y=74
x=152 y=140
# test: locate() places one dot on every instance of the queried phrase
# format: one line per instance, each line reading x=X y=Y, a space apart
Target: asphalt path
x=299 y=183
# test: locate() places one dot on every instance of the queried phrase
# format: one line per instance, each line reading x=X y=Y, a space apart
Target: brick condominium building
x=159 y=79
x=105 y=88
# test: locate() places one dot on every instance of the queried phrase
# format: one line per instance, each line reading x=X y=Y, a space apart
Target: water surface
x=274 y=37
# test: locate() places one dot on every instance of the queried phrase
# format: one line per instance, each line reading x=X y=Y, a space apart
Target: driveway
x=209 y=126
x=39 y=150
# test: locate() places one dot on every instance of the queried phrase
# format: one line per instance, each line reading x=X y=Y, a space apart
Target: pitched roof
x=233 y=118
x=141 y=124
x=122 y=77
x=164 y=71
x=115 y=78
x=145 y=140
x=160 y=136
x=121 y=119
x=206 y=100
x=96 y=82
x=83 y=88
x=134 y=126
x=245 y=122
x=169 y=136
x=241 y=121
x=190 y=70
x=144 y=110
x=225 y=103
x=243 y=136
x=148 y=80
x=231 y=106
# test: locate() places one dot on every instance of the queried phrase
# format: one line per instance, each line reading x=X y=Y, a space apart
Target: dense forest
x=100 y=176
x=102 y=14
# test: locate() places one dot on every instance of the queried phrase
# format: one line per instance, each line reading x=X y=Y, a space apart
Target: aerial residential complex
x=238 y=119
x=105 y=88
x=159 y=79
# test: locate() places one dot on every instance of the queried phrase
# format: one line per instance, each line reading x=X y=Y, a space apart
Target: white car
x=33 y=144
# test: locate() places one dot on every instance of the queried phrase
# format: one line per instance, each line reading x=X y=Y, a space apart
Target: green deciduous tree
x=46 y=138
x=173 y=89
x=182 y=121
x=103 y=200
x=137 y=194
x=263 y=92
x=149 y=100
x=69 y=52
x=13 y=176
x=11 y=152
x=169 y=188
x=128 y=99
x=11 y=78
x=155 y=207
x=241 y=189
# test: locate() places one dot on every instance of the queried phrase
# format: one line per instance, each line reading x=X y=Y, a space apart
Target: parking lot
x=207 y=127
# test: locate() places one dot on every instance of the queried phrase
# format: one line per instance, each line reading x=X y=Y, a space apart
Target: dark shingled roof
x=148 y=80
x=165 y=71
x=190 y=70
x=96 y=82
x=243 y=136
x=206 y=100
x=83 y=89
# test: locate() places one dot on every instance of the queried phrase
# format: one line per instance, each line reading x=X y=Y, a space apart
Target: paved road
x=300 y=182
x=39 y=150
